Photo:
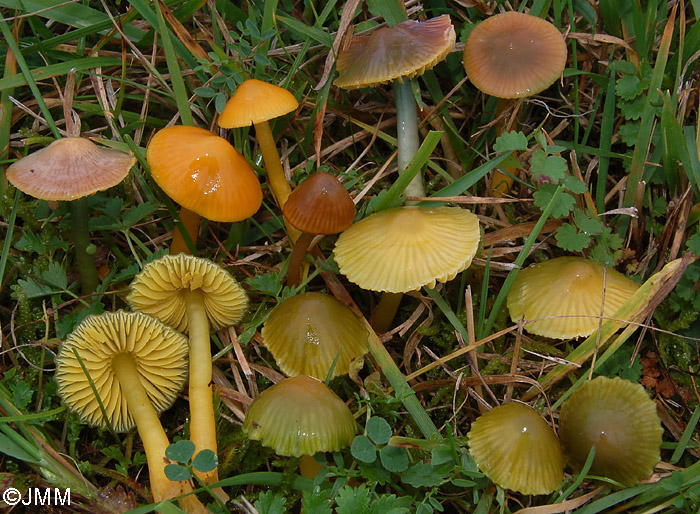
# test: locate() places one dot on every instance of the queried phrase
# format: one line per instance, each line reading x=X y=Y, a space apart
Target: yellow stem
x=385 y=311
x=191 y=222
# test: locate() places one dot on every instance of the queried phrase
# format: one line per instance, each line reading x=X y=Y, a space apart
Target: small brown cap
x=512 y=55
x=320 y=205
x=407 y=49
x=69 y=168
x=256 y=101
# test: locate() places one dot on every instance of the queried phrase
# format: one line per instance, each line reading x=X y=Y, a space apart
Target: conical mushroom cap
x=306 y=332
x=512 y=55
x=320 y=205
x=617 y=417
x=406 y=50
x=300 y=416
x=571 y=287
x=69 y=168
x=256 y=101
x=158 y=290
x=403 y=249
x=204 y=173
x=159 y=351
x=516 y=448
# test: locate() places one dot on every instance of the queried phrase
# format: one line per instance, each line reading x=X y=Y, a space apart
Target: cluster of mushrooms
x=123 y=369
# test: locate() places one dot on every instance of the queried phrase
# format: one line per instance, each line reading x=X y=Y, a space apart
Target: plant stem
x=190 y=221
x=297 y=257
x=81 y=238
x=407 y=133
x=385 y=311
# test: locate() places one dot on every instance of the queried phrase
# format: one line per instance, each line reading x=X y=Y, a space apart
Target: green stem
x=407 y=133
x=81 y=238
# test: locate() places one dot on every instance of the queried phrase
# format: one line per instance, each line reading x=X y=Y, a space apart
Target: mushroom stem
x=501 y=183
x=385 y=311
x=297 y=257
x=275 y=175
x=407 y=133
x=190 y=221
x=81 y=238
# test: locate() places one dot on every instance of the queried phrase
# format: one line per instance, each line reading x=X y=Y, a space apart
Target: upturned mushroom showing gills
x=620 y=420
x=71 y=169
x=516 y=448
x=137 y=365
x=319 y=205
x=300 y=416
x=305 y=333
x=398 y=54
x=568 y=292
x=204 y=174
x=192 y=294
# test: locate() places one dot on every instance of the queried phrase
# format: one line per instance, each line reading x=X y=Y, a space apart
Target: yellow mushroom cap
x=204 y=173
x=161 y=359
x=69 y=168
x=300 y=416
x=403 y=249
x=617 y=417
x=512 y=55
x=516 y=448
x=406 y=50
x=571 y=287
x=157 y=290
x=256 y=101
x=306 y=332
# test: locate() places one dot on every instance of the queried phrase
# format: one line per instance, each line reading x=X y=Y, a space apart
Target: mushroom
x=137 y=366
x=191 y=294
x=398 y=54
x=205 y=175
x=513 y=55
x=568 y=292
x=300 y=416
x=256 y=102
x=305 y=333
x=71 y=169
x=319 y=205
x=620 y=420
x=516 y=448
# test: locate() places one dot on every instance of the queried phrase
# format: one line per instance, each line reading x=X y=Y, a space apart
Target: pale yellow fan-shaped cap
x=161 y=359
x=407 y=49
x=513 y=55
x=306 y=332
x=256 y=101
x=571 y=287
x=69 y=168
x=516 y=448
x=157 y=289
x=403 y=249
x=619 y=418
x=300 y=416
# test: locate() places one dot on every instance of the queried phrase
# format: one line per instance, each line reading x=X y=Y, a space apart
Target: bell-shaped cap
x=403 y=249
x=300 y=416
x=306 y=332
x=407 y=50
x=513 y=55
x=159 y=290
x=570 y=287
x=69 y=168
x=161 y=359
x=256 y=101
x=516 y=448
x=204 y=173
x=320 y=205
x=617 y=417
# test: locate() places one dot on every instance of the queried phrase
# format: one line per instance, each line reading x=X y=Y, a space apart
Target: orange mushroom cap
x=256 y=101
x=513 y=55
x=406 y=50
x=204 y=173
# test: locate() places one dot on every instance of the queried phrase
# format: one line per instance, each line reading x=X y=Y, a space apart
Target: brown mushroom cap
x=256 y=101
x=512 y=55
x=69 y=168
x=320 y=205
x=406 y=50
x=204 y=173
